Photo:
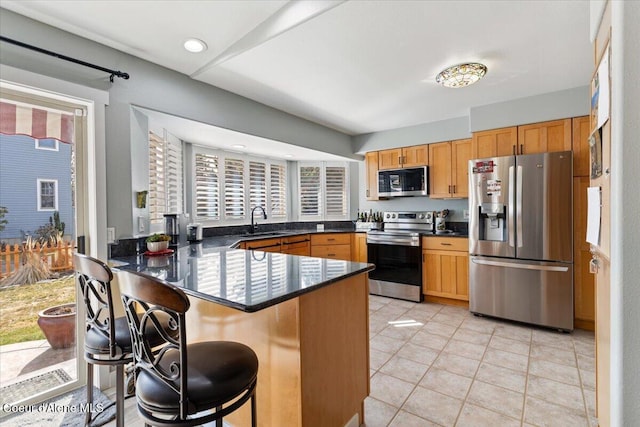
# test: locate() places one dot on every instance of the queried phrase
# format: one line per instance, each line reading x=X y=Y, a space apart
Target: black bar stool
x=179 y=384
x=107 y=338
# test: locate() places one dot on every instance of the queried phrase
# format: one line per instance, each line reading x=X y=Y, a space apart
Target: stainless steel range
x=397 y=253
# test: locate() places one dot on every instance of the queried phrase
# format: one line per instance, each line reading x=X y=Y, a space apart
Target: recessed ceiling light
x=238 y=146
x=288 y=155
x=195 y=45
x=461 y=75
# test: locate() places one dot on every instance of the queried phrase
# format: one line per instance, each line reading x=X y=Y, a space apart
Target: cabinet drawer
x=331 y=239
x=334 y=251
x=446 y=243
x=296 y=241
x=267 y=245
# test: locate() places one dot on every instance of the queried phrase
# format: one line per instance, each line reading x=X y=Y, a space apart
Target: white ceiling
x=356 y=66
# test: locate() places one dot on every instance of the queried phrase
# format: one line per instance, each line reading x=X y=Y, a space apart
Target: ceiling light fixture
x=238 y=146
x=288 y=156
x=195 y=45
x=461 y=75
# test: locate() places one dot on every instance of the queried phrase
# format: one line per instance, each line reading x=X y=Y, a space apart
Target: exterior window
x=47 y=195
x=324 y=191
x=165 y=177
x=47 y=144
x=207 y=183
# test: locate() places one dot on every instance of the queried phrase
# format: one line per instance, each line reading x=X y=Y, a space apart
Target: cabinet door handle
x=367 y=193
x=399 y=160
x=330 y=240
x=521 y=148
x=454 y=189
x=449 y=189
x=445 y=244
x=331 y=254
x=513 y=149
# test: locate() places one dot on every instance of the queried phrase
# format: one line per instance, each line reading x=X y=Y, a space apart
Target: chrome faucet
x=254 y=225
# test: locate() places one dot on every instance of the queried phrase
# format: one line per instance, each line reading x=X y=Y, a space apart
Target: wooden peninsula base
x=313 y=352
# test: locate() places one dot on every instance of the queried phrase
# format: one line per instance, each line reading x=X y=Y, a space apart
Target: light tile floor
x=436 y=365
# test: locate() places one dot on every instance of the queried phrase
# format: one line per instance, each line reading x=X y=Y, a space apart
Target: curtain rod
x=67 y=58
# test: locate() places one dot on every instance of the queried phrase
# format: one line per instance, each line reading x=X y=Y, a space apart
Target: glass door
x=42 y=214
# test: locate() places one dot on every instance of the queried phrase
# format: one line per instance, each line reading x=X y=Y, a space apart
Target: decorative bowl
x=157 y=246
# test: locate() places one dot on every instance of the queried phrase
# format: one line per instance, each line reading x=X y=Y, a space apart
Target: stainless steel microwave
x=403 y=182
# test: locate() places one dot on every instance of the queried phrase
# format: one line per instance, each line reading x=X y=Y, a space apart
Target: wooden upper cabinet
x=440 y=170
x=448 y=173
x=371 y=165
x=580 y=146
x=417 y=155
x=389 y=159
x=405 y=157
x=460 y=156
x=545 y=137
x=494 y=142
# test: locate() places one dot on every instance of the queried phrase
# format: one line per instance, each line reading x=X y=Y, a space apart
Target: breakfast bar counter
x=306 y=318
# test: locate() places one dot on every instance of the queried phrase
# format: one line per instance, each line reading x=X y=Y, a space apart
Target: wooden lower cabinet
x=359 y=247
x=331 y=245
x=264 y=245
x=296 y=245
x=445 y=268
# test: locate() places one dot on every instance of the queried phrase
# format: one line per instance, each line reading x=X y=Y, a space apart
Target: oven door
x=398 y=272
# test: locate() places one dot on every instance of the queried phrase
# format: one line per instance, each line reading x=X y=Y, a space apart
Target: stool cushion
x=217 y=372
x=96 y=343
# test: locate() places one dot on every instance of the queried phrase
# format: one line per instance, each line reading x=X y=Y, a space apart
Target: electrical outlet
x=465 y=213
x=141 y=224
x=111 y=234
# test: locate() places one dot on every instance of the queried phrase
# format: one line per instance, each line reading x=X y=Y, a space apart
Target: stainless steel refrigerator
x=521 y=238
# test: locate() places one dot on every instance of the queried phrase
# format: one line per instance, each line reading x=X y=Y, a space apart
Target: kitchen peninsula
x=306 y=318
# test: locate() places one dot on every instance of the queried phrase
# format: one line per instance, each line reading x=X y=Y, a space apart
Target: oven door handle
x=387 y=240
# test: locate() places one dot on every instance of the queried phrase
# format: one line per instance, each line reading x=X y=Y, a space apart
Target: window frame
x=41 y=181
x=39 y=147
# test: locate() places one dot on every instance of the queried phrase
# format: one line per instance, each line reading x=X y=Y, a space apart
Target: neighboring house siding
x=21 y=165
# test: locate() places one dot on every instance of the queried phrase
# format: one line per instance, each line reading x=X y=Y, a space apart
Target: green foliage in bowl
x=158 y=238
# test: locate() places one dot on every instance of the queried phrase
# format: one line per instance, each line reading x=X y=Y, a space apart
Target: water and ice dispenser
x=492 y=224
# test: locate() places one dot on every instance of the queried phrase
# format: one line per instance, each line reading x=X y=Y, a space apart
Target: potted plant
x=158 y=242
x=58 y=323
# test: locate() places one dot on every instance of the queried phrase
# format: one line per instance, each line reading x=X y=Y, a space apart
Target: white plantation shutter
x=324 y=191
x=174 y=175
x=157 y=197
x=278 y=191
x=257 y=185
x=207 y=197
x=336 y=191
x=234 y=198
x=310 y=192
x=165 y=176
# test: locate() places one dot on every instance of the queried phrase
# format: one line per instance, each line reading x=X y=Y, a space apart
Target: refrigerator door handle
x=519 y=206
x=511 y=211
x=518 y=265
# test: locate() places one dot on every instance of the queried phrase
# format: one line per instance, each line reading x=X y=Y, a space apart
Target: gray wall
x=159 y=89
x=426 y=133
x=540 y=108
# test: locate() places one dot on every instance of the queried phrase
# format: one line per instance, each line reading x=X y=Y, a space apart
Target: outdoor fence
x=58 y=257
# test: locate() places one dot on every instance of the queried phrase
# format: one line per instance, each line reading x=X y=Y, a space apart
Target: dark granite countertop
x=245 y=280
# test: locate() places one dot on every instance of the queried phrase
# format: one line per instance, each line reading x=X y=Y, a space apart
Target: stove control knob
x=387 y=215
x=421 y=216
x=393 y=215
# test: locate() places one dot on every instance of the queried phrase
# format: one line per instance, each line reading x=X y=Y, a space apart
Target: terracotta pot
x=58 y=324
